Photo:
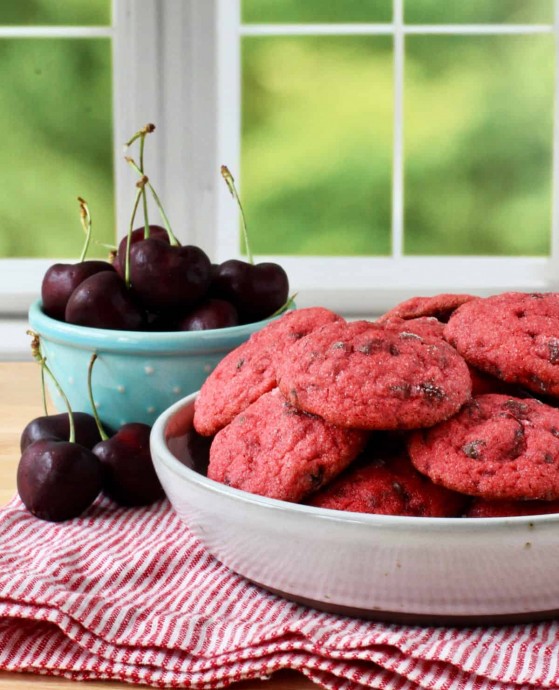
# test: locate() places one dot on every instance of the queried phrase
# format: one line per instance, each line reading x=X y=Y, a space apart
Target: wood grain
x=20 y=402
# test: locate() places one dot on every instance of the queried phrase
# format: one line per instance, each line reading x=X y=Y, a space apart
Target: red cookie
x=388 y=485
x=439 y=306
x=361 y=375
x=247 y=372
x=274 y=450
x=423 y=326
x=496 y=447
x=513 y=336
x=481 y=508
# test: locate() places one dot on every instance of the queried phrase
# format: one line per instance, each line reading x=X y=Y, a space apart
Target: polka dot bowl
x=137 y=375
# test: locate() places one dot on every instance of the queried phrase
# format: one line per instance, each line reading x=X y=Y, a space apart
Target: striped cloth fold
x=132 y=595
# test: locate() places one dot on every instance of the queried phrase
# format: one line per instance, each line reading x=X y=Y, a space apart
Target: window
x=395 y=147
x=358 y=133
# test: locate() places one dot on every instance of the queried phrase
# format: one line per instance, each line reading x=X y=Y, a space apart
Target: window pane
x=55 y=115
x=317 y=144
x=479 y=11
x=478 y=144
x=315 y=11
x=55 y=12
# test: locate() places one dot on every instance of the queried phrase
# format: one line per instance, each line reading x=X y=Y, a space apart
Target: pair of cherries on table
x=68 y=459
x=58 y=479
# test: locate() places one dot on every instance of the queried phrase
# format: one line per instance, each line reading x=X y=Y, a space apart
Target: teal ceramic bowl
x=137 y=375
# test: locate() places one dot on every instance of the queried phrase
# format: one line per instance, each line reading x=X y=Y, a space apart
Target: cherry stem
x=140 y=186
x=144 y=195
x=230 y=182
x=172 y=239
x=85 y=218
x=286 y=306
x=38 y=357
x=141 y=135
x=102 y=432
x=44 y=392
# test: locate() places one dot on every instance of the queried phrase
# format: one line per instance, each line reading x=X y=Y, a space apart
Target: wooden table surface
x=20 y=401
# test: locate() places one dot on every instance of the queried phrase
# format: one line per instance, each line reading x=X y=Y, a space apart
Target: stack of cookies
x=446 y=406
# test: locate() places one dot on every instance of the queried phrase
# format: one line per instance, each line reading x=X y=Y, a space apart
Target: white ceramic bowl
x=424 y=570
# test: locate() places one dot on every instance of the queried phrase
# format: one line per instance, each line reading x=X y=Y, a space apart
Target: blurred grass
x=55 y=12
x=315 y=11
x=317 y=138
x=478 y=11
x=316 y=165
x=56 y=124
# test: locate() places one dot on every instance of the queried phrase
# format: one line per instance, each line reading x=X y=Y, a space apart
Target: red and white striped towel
x=132 y=595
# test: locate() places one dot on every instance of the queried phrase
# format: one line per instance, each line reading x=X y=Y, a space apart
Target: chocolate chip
x=473 y=449
x=371 y=346
x=240 y=364
x=289 y=409
x=517 y=409
x=554 y=431
x=339 y=345
x=542 y=385
x=553 y=350
x=317 y=477
x=548 y=459
x=405 y=335
x=402 y=390
x=431 y=392
x=393 y=350
x=519 y=442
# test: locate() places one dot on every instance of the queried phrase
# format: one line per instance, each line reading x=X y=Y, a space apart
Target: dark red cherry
x=155 y=231
x=103 y=301
x=256 y=290
x=128 y=474
x=212 y=313
x=61 y=280
x=56 y=427
x=168 y=277
x=58 y=480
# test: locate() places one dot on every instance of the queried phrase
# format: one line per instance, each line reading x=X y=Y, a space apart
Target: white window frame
x=364 y=285
x=177 y=63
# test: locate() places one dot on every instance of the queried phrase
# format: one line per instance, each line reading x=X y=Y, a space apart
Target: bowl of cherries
x=159 y=316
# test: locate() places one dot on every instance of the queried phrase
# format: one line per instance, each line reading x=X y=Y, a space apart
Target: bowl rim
x=161 y=452
x=150 y=341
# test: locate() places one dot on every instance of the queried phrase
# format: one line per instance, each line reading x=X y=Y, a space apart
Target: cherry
x=256 y=290
x=155 y=231
x=62 y=279
x=168 y=277
x=212 y=313
x=58 y=480
x=129 y=477
x=103 y=301
x=56 y=427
